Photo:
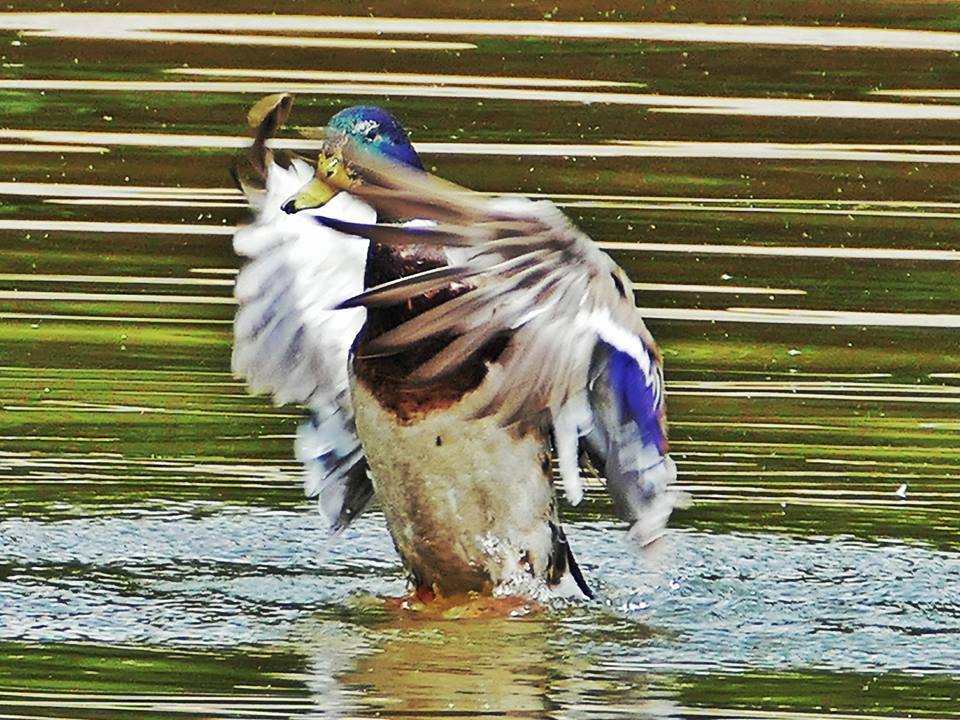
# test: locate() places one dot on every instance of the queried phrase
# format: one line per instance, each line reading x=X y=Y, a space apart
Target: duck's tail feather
x=562 y=562
x=578 y=575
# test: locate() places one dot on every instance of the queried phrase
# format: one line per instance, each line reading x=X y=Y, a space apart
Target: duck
x=449 y=348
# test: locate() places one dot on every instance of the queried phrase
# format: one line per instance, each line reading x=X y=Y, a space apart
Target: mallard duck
x=448 y=346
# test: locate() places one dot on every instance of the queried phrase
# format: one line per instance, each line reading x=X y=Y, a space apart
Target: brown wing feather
x=534 y=276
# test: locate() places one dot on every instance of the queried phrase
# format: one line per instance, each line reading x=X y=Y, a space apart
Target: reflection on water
x=689 y=105
x=502 y=667
x=807 y=317
x=779 y=183
x=400 y=78
x=806 y=252
x=140 y=27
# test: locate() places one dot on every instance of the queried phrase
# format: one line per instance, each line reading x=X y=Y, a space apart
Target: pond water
x=780 y=182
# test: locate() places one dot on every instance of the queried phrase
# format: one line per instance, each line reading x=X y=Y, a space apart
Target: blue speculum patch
x=636 y=399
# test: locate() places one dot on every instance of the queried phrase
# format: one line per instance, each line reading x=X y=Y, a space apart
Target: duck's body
x=470 y=504
x=426 y=412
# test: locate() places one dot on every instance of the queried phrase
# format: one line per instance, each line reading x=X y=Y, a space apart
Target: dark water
x=779 y=181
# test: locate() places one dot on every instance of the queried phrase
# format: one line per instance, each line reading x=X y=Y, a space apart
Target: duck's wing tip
x=335 y=471
x=289 y=342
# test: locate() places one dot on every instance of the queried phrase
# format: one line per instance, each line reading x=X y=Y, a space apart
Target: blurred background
x=779 y=179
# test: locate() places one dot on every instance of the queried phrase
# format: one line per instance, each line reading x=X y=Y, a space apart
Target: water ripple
x=714 y=601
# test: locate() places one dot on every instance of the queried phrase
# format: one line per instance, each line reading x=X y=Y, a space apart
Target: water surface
x=780 y=183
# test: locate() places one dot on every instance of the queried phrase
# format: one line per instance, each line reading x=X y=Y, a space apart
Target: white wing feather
x=289 y=342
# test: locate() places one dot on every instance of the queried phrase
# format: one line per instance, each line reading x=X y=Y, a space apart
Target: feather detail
x=396 y=291
x=571 y=421
x=628 y=442
x=335 y=470
x=289 y=342
x=578 y=358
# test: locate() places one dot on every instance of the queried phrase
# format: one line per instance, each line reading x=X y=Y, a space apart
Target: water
x=781 y=187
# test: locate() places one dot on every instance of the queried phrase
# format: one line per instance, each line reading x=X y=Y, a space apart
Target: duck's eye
x=372 y=134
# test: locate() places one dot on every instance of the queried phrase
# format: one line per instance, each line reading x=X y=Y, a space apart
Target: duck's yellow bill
x=312 y=195
x=332 y=176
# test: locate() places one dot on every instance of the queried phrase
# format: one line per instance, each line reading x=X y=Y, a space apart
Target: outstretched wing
x=288 y=342
x=579 y=356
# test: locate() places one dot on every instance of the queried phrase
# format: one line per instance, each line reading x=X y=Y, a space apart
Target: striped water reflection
x=779 y=183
